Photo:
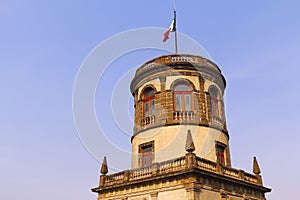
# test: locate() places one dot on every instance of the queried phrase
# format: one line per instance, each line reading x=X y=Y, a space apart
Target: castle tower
x=180 y=146
x=173 y=94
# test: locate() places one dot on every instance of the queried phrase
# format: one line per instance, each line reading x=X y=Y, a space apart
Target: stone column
x=190 y=160
x=202 y=103
x=207 y=107
x=193 y=191
x=162 y=115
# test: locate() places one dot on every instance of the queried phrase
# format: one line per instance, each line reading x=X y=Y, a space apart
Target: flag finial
x=189 y=144
x=256 y=169
x=104 y=167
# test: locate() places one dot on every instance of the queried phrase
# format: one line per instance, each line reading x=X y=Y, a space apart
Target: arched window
x=148 y=102
x=214 y=102
x=183 y=97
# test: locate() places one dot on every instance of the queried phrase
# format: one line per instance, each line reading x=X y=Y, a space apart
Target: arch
x=182 y=91
x=147 y=87
x=182 y=81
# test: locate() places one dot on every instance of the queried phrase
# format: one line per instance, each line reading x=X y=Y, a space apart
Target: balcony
x=183 y=115
x=148 y=120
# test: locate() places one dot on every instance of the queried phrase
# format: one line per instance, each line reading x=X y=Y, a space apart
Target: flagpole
x=176 y=48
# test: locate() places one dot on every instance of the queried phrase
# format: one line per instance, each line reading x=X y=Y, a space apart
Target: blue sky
x=43 y=44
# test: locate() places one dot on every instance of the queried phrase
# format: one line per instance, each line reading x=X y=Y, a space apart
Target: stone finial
x=189 y=145
x=104 y=168
x=256 y=169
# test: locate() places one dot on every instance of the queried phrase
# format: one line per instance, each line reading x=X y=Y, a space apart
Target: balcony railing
x=167 y=59
x=189 y=161
x=217 y=121
x=148 y=120
x=183 y=115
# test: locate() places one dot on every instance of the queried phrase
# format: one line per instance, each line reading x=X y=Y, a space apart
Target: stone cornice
x=180 y=62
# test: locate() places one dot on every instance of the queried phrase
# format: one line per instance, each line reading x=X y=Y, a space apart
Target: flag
x=172 y=28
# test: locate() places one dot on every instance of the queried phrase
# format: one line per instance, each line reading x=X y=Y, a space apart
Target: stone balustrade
x=206 y=164
x=174 y=58
x=216 y=120
x=231 y=172
x=183 y=115
x=148 y=120
x=189 y=161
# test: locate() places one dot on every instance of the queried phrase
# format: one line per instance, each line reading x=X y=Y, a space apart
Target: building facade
x=180 y=142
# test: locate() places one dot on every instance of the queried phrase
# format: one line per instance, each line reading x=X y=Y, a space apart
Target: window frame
x=149 y=156
x=215 y=107
x=182 y=94
x=221 y=159
x=150 y=101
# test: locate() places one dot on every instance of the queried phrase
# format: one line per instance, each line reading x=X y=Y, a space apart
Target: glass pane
x=187 y=101
x=220 y=154
x=178 y=102
x=182 y=88
x=150 y=159
x=213 y=92
x=149 y=93
x=214 y=108
x=146 y=109
x=152 y=106
x=148 y=149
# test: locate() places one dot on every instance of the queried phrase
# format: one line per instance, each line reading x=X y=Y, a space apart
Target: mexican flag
x=172 y=28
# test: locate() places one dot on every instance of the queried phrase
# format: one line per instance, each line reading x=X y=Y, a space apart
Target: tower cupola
x=173 y=94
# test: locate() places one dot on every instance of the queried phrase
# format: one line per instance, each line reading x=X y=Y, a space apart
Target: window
x=220 y=150
x=214 y=102
x=148 y=102
x=146 y=154
x=182 y=97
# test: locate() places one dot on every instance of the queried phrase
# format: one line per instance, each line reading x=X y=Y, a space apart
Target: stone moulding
x=184 y=61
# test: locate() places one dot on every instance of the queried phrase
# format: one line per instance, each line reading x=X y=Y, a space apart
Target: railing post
x=102 y=181
x=155 y=168
x=219 y=168
x=190 y=160
x=241 y=174
x=126 y=175
x=259 y=179
x=175 y=116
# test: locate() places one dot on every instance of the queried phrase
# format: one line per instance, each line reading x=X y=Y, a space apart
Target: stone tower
x=173 y=94
x=180 y=146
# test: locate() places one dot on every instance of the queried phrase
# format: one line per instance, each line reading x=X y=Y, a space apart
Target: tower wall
x=166 y=127
x=169 y=142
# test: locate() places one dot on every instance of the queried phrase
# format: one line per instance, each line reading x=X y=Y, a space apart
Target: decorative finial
x=104 y=168
x=189 y=145
x=256 y=169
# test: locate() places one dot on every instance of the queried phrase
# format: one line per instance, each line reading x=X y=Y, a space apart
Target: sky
x=45 y=43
